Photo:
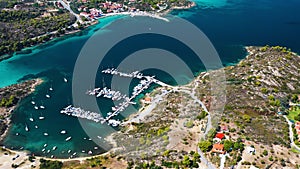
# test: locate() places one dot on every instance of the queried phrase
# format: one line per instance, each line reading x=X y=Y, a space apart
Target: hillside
x=257 y=89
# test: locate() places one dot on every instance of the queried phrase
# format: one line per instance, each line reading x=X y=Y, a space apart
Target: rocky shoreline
x=10 y=96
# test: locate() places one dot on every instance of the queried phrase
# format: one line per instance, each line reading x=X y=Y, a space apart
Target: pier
x=80 y=113
x=108 y=93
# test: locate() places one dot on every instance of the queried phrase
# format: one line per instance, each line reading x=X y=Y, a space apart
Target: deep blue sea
x=229 y=25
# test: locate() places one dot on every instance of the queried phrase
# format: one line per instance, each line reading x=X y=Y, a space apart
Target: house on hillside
x=147 y=100
x=218 y=148
x=219 y=137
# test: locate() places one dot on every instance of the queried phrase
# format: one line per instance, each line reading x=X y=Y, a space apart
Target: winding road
x=208 y=125
x=291 y=133
x=67 y=7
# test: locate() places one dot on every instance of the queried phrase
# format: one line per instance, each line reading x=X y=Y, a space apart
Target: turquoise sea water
x=230 y=25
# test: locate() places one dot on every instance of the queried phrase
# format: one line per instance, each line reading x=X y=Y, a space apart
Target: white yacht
x=63 y=132
x=69 y=138
x=65 y=80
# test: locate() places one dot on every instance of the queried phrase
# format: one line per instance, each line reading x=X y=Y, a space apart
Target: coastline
x=157 y=15
x=143 y=111
x=40 y=81
x=8 y=111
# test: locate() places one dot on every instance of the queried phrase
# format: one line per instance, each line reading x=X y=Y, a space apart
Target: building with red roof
x=218 y=148
x=220 y=136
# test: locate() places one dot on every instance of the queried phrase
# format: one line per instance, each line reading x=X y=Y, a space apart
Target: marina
x=145 y=82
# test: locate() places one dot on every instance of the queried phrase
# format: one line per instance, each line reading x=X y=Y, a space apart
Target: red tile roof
x=220 y=135
x=148 y=99
x=218 y=148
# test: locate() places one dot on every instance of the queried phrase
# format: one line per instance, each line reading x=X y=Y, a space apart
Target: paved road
x=291 y=133
x=204 y=160
x=67 y=7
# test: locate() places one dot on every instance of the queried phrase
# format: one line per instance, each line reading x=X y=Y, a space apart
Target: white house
x=250 y=150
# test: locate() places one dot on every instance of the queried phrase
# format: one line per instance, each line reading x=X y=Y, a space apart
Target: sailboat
x=26 y=127
x=31 y=118
x=41 y=117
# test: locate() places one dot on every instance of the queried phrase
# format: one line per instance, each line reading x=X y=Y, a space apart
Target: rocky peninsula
x=10 y=96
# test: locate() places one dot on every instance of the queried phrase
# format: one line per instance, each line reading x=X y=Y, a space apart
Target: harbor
x=145 y=82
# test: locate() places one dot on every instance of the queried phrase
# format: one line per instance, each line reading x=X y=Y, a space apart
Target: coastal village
x=43 y=20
